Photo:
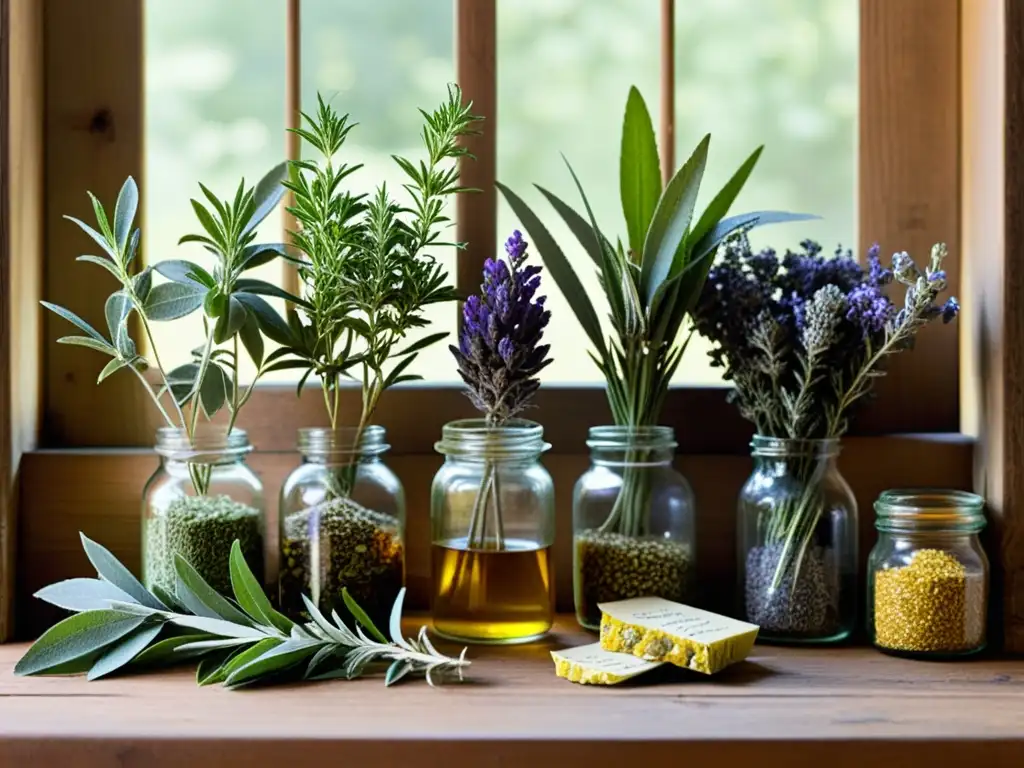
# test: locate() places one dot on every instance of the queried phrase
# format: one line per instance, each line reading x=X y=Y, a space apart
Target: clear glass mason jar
x=797 y=533
x=201 y=498
x=928 y=575
x=492 y=513
x=342 y=525
x=633 y=522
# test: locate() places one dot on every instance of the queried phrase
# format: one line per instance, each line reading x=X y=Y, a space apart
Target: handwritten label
x=676 y=619
x=593 y=658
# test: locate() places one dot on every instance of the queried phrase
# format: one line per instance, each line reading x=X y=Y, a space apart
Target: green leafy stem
x=118 y=625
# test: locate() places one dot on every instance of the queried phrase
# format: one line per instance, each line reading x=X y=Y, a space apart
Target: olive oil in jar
x=492 y=595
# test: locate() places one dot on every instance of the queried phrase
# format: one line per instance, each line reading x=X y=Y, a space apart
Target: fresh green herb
x=365 y=264
x=119 y=624
x=651 y=282
x=232 y=304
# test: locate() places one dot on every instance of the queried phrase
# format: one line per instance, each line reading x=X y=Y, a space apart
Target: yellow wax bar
x=590 y=665
x=655 y=629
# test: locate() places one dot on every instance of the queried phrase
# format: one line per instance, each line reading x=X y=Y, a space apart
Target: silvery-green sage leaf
x=75 y=637
x=250 y=595
x=121 y=653
x=170 y=301
x=124 y=212
x=82 y=594
x=110 y=568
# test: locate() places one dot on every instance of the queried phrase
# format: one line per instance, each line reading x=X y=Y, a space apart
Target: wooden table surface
x=784 y=706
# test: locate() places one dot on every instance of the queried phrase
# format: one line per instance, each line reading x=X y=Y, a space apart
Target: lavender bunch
x=499 y=353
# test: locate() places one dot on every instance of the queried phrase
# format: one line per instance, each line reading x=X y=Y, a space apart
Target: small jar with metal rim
x=201 y=498
x=342 y=521
x=928 y=575
x=492 y=511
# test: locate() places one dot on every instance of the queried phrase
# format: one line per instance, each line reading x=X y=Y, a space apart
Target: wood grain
x=909 y=182
x=477 y=212
x=21 y=157
x=843 y=707
x=667 y=84
x=99 y=494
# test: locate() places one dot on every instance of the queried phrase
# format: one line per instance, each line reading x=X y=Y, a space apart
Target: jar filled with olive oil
x=493 y=524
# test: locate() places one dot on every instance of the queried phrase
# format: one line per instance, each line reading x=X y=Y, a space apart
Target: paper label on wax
x=592 y=664
x=676 y=619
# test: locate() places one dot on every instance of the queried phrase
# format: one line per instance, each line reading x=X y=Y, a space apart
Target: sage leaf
x=142 y=283
x=107 y=264
x=396 y=622
x=321 y=621
x=117 y=309
x=639 y=170
x=170 y=301
x=74 y=319
x=88 y=343
x=75 y=637
x=250 y=595
x=397 y=671
x=218 y=626
x=83 y=594
x=263 y=288
x=271 y=323
x=110 y=568
x=119 y=655
x=213 y=669
x=213 y=645
x=213 y=389
x=230 y=321
x=319 y=659
x=250 y=654
x=163 y=651
x=212 y=227
x=110 y=369
x=261 y=253
x=277 y=659
x=133 y=248
x=251 y=337
x=182 y=381
x=124 y=212
x=167 y=599
x=185 y=272
x=107 y=247
x=360 y=615
x=200 y=598
x=267 y=195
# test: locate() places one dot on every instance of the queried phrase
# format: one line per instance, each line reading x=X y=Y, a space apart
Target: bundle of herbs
x=120 y=626
x=651 y=282
x=803 y=338
x=369 y=271
x=234 y=314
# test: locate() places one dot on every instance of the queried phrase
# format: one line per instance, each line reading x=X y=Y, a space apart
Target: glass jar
x=928 y=575
x=492 y=512
x=798 y=543
x=633 y=522
x=342 y=525
x=797 y=532
x=201 y=498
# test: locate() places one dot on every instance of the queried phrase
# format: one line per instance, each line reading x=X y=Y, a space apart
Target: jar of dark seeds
x=928 y=574
x=633 y=522
x=797 y=543
x=200 y=500
x=342 y=519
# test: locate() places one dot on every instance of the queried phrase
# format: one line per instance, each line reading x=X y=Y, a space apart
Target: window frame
x=908 y=198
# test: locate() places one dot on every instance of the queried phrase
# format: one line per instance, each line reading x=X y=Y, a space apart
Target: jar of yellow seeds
x=928 y=574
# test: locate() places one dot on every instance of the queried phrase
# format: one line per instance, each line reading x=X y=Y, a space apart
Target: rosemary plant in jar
x=492 y=502
x=202 y=496
x=643 y=555
x=928 y=574
x=651 y=283
x=368 y=273
x=803 y=338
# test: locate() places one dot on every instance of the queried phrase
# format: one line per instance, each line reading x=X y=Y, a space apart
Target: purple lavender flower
x=869 y=309
x=499 y=353
x=950 y=309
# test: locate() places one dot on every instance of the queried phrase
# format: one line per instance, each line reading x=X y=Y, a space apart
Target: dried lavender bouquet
x=499 y=357
x=803 y=338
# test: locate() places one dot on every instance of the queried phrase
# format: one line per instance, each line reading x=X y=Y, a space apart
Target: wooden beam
x=21 y=157
x=667 y=133
x=476 y=213
x=292 y=119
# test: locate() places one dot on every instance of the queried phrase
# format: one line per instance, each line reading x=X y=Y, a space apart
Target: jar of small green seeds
x=201 y=499
x=342 y=521
x=633 y=522
x=928 y=575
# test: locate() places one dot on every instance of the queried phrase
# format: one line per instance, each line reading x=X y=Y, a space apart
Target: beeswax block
x=590 y=665
x=656 y=629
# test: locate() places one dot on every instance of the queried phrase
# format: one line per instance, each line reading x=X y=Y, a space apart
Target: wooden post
x=667 y=133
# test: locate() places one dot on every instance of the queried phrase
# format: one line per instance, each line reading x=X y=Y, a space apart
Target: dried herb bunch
x=651 y=282
x=804 y=337
x=499 y=357
x=118 y=625
x=232 y=304
x=366 y=263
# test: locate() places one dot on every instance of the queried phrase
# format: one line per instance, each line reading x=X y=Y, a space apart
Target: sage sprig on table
x=119 y=625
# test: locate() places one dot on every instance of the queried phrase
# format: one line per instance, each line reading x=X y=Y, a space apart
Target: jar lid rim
x=514 y=438
x=622 y=436
x=929 y=508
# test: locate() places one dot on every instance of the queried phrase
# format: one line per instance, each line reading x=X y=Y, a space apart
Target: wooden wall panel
x=21 y=154
x=99 y=493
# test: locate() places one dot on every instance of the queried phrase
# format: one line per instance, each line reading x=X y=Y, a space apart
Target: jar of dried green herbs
x=928 y=574
x=342 y=520
x=201 y=498
x=633 y=522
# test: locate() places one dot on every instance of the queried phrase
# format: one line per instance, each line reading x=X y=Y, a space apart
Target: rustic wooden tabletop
x=821 y=707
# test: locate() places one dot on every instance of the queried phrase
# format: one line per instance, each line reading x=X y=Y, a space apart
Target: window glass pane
x=214 y=78
x=777 y=72
x=380 y=62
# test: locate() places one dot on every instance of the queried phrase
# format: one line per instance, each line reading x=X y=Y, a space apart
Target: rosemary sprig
x=119 y=624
